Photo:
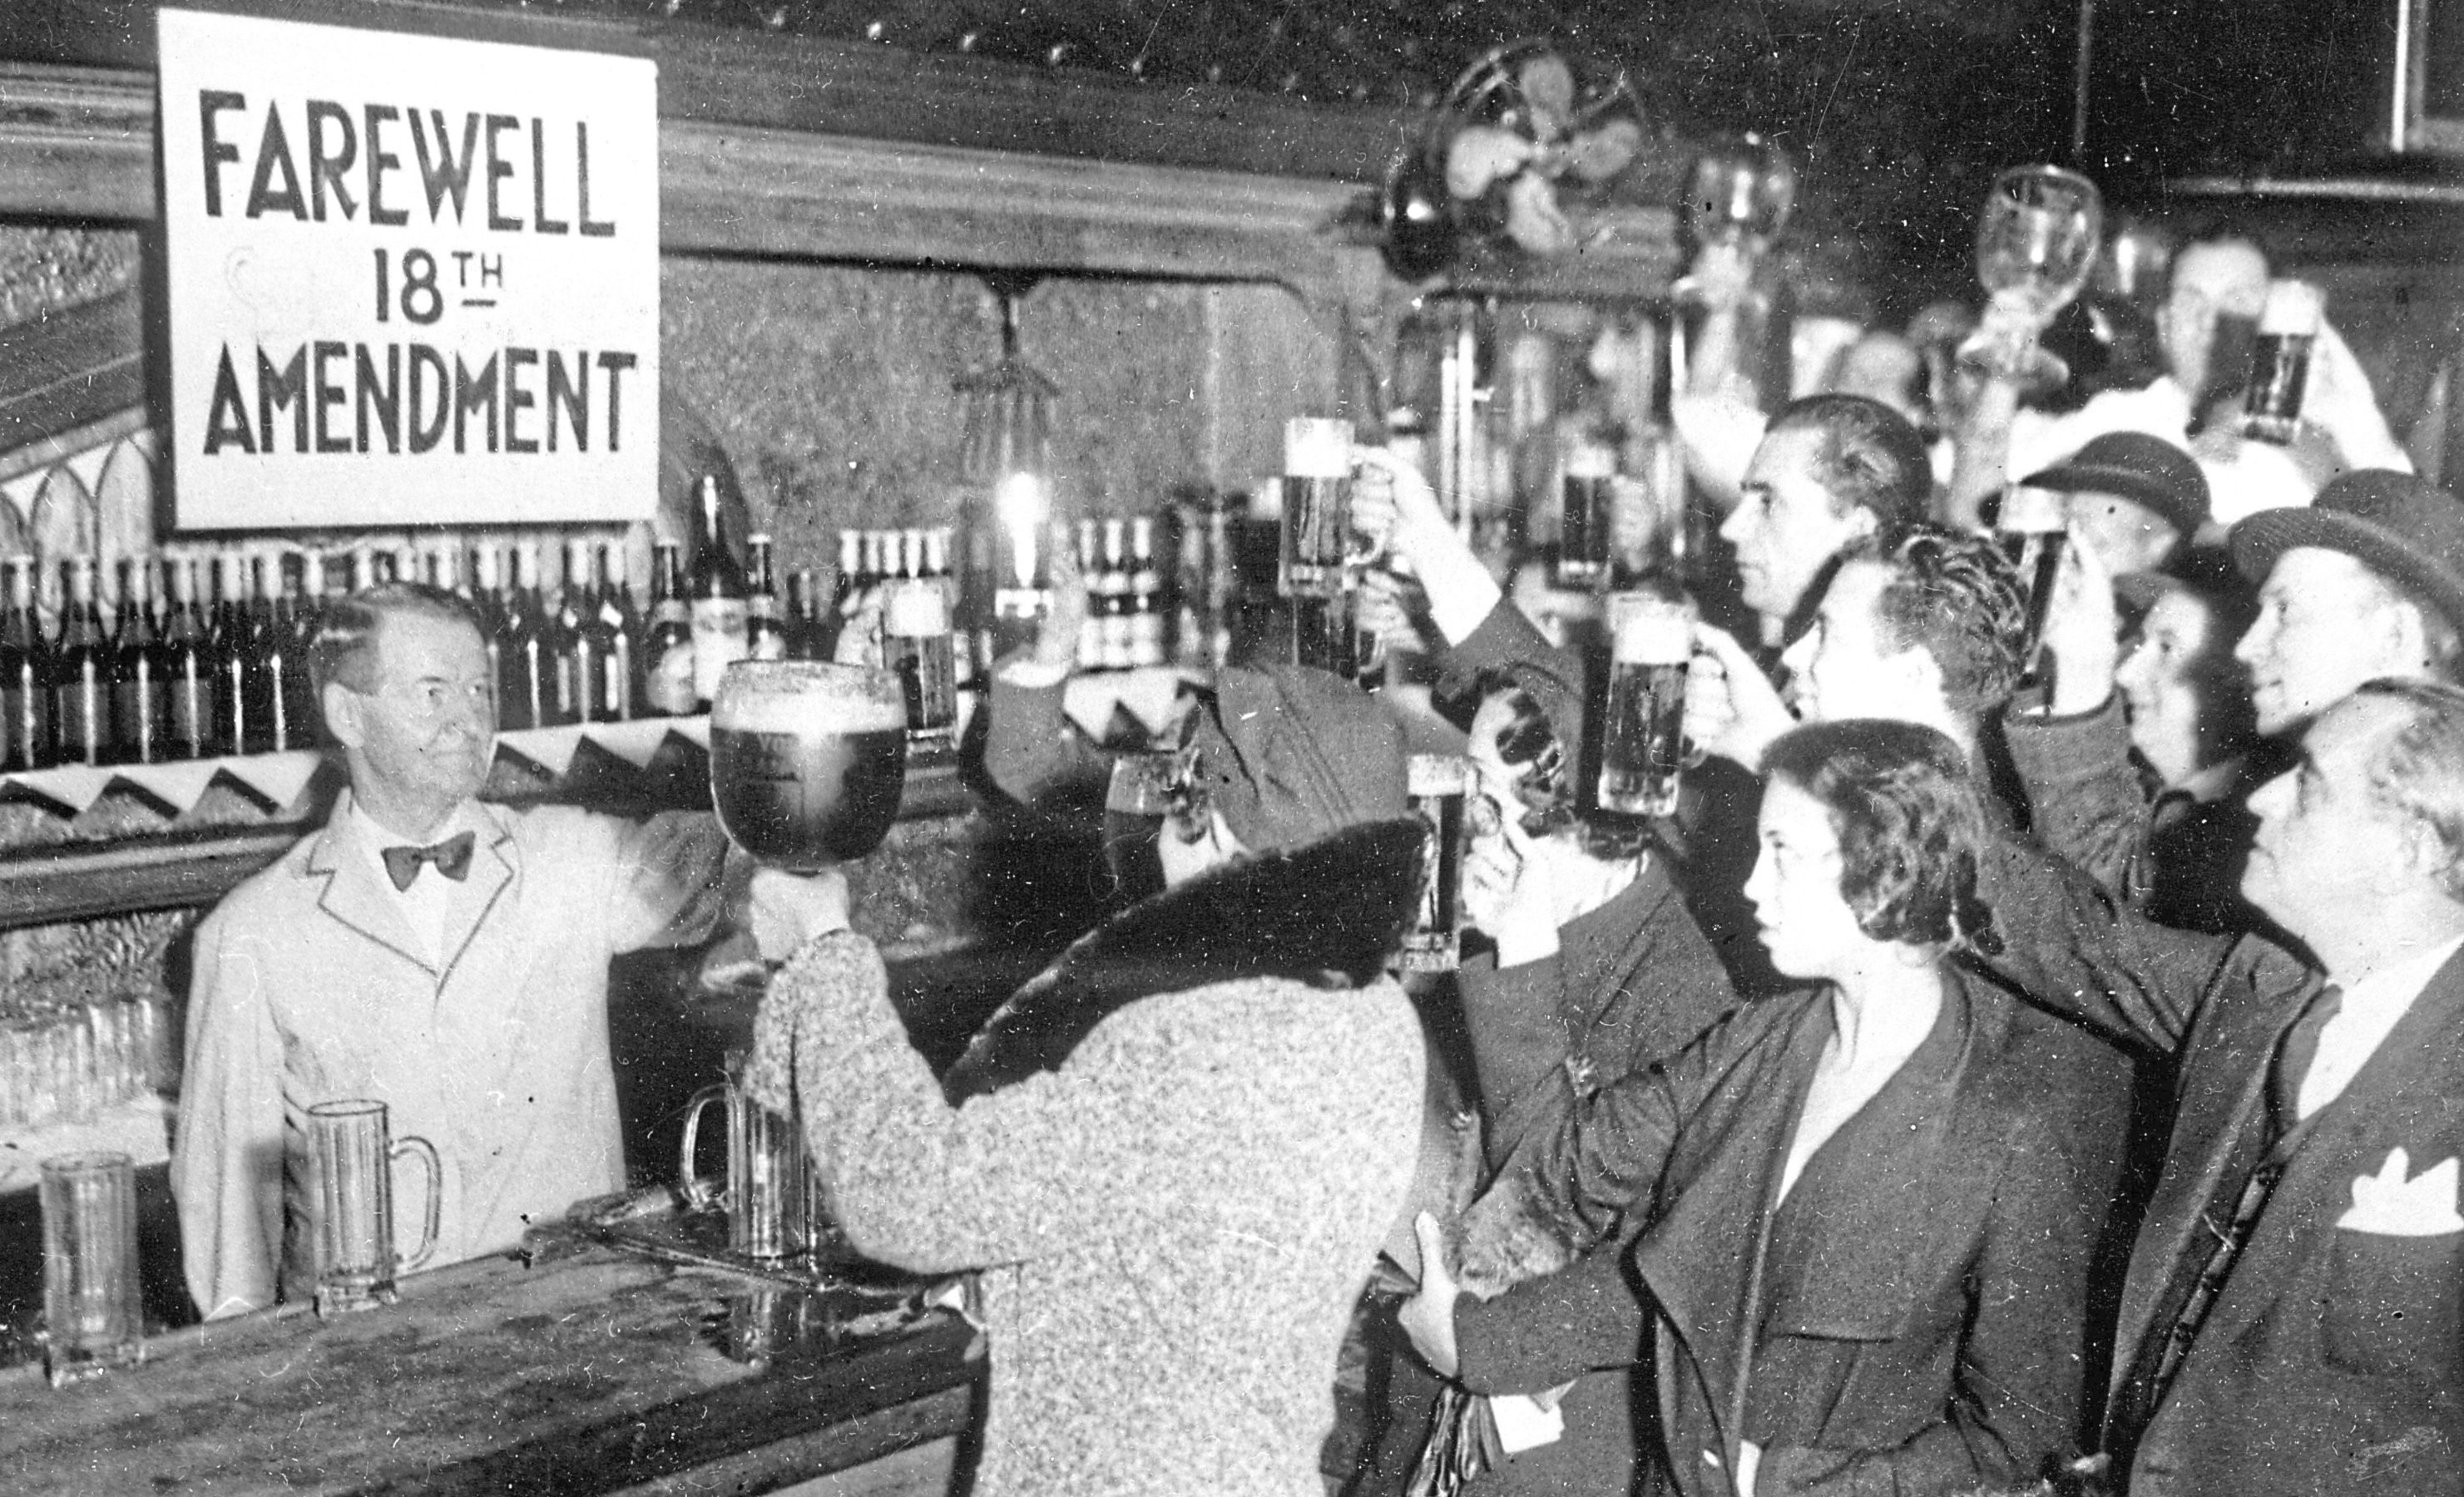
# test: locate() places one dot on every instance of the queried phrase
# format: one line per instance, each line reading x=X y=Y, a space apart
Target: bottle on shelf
x=363 y=568
x=1091 y=627
x=81 y=673
x=525 y=655
x=141 y=697
x=844 y=590
x=800 y=619
x=1148 y=643
x=621 y=680
x=579 y=665
x=25 y=675
x=668 y=649
x=765 y=619
x=299 y=709
x=1111 y=603
x=228 y=646
x=275 y=665
x=716 y=589
x=187 y=667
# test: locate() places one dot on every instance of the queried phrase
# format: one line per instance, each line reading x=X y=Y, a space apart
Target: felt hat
x=1291 y=755
x=2141 y=466
x=2405 y=529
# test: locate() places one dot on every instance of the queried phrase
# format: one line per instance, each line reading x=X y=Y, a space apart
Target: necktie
x=452 y=857
x=2294 y=1057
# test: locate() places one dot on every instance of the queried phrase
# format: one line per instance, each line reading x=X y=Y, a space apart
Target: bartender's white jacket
x=311 y=983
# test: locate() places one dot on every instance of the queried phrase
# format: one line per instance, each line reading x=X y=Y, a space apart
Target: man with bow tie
x=444 y=956
x=2293 y=1321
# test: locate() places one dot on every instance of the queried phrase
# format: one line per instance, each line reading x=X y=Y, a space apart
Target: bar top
x=586 y=1375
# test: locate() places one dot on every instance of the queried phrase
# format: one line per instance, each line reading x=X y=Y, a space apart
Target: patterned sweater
x=1178 y=1215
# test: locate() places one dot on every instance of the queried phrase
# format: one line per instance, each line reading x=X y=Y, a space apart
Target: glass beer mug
x=1321 y=551
x=351 y=1149
x=773 y=1213
x=1437 y=785
x=1643 y=742
x=92 y=1319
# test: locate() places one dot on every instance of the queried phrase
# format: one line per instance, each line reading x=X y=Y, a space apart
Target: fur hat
x=1290 y=756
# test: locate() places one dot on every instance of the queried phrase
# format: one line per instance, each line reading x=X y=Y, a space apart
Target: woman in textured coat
x=1870 y=1207
x=1180 y=1148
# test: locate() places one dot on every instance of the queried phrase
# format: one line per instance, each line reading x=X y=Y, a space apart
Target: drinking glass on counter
x=773 y=1209
x=2279 y=361
x=1437 y=785
x=1643 y=740
x=351 y=1152
x=806 y=759
x=91 y=1315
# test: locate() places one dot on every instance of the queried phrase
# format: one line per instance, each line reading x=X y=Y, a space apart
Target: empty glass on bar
x=773 y=1210
x=806 y=759
x=351 y=1152
x=91 y=1315
x=1437 y=784
x=1587 y=526
x=2279 y=361
x=1642 y=738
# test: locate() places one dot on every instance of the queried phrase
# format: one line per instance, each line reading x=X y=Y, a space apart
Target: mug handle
x=698 y=1196
x=412 y=1143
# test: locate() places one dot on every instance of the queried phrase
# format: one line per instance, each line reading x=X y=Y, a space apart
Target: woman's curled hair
x=1905 y=804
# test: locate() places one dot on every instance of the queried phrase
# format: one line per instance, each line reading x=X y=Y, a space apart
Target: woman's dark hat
x=2140 y=467
x=2404 y=528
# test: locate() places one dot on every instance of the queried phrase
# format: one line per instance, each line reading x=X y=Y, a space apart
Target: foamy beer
x=2279 y=361
x=1437 y=784
x=806 y=759
x=916 y=643
x=1643 y=742
x=1584 y=532
x=1318 y=542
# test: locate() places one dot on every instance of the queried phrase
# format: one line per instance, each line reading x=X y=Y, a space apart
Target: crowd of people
x=2027 y=1061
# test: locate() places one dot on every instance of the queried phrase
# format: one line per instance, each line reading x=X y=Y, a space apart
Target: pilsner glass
x=806 y=759
x=92 y=1319
x=1437 y=784
x=351 y=1152
x=916 y=643
x=1320 y=550
x=1651 y=637
x=2279 y=361
x=772 y=1207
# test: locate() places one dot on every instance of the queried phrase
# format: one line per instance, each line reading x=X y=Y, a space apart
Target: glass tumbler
x=92 y=1319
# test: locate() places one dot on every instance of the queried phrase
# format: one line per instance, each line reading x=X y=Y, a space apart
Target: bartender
x=445 y=957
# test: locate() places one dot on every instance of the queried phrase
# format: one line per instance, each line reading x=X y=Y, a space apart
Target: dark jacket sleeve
x=2085 y=799
x=1514 y=1022
x=1552 y=1328
x=2078 y=950
x=1509 y=644
x=2020 y=1375
x=1030 y=748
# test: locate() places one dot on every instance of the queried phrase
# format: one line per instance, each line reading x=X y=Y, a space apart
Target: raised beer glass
x=2279 y=361
x=2035 y=243
x=806 y=759
x=1643 y=744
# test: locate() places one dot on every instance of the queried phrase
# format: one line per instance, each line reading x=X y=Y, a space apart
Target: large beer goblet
x=2035 y=243
x=806 y=759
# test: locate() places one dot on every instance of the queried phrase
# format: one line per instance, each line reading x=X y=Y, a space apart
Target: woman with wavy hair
x=1869 y=1207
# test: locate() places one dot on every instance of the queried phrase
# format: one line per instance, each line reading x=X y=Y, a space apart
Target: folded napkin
x=2389 y=1204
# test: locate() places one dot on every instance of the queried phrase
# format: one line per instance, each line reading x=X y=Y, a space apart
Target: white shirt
x=423 y=903
x=2372 y=1005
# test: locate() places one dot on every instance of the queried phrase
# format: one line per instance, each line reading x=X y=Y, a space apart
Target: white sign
x=413 y=280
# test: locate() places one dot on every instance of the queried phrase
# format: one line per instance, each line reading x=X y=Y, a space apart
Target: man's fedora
x=2404 y=528
x=2141 y=466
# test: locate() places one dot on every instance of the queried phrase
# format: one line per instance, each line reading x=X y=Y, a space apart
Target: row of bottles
x=1126 y=613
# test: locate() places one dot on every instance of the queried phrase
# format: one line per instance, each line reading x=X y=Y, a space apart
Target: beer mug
x=2279 y=361
x=1437 y=785
x=1319 y=545
x=1586 y=524
x=1326 y=635
x=770 y=1199
x=92 y=1317
x=806 y=759
x=1651 y=637
x=1135 y=803
x=915 y=644
x=351 y=1149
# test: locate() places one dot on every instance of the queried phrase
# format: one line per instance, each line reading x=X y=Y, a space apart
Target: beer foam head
x=917 y=611
x=1317 y=447
x=2293 y=310
x=1648 y=628
x=807 y=696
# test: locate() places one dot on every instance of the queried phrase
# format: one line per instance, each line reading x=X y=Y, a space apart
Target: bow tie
x=452 y=857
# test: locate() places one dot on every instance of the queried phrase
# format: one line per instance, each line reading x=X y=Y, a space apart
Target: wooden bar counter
x=600 y=1372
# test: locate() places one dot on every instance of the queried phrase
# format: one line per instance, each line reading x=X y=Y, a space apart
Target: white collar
x=2399 y=984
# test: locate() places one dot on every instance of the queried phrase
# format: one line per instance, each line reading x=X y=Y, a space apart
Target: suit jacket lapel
x=493 y=861
x=2413 y=1068
x=353 y=893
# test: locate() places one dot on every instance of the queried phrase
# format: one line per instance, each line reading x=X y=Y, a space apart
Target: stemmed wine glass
x=2034 y=246
x=1738 y=198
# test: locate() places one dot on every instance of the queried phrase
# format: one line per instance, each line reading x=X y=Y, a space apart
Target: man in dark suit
x=2293 y=1316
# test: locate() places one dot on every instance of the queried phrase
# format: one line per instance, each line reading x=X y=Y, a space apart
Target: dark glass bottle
x=766 y=621
x=624 y=618
x=81 y=673
x=229 y=644
x=272 y=660
x=187 y=668
x=140 y=694
x=525 y=652
x=304 y=586
x=668 y=649
x=717 y=593
x=25 y=676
